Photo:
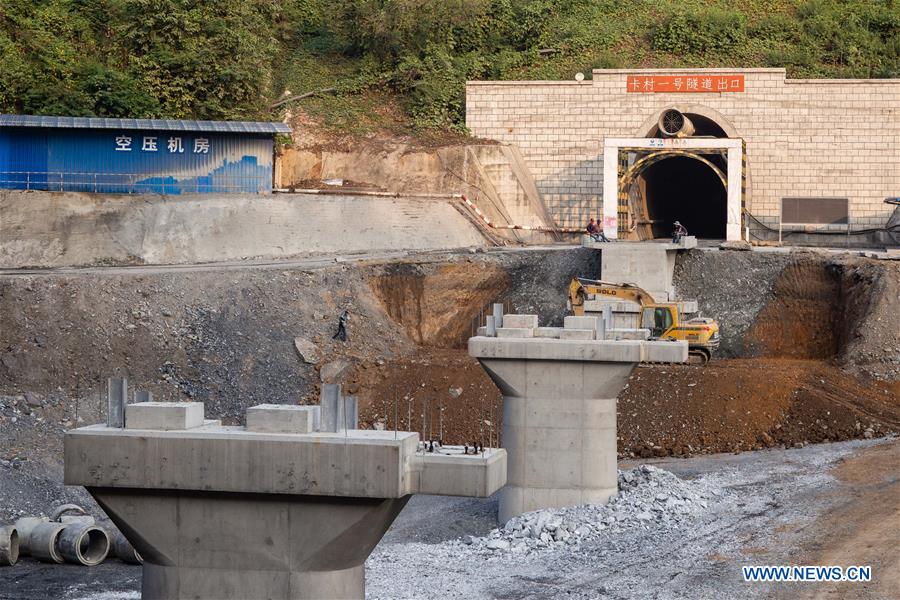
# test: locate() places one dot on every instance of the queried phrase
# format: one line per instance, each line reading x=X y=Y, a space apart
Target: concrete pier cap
x=559 y=412
x=275 y=511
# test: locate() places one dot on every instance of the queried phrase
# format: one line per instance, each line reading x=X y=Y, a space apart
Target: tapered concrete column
x=559 y=414
x=250 y=545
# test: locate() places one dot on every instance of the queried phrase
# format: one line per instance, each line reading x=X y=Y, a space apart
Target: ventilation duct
x=674 y=123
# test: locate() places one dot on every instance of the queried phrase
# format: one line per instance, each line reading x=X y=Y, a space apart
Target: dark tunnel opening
x=686 y=190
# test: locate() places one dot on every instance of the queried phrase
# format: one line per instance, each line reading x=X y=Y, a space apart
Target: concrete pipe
x=79 y=519
x=24 y=527
x=674 y=123
x=65 y=508
x=9 y=545
x=83 y=544
x=42 y=542
x=124 y=551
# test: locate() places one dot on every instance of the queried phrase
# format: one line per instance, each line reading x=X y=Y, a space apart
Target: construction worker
x=596 y=232
x=678 y=233
x=342 y=327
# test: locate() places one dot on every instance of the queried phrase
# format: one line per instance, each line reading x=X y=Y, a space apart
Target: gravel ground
x=680 y=528
x=665 y=537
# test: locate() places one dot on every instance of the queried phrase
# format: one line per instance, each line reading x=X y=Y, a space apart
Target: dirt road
x=863 y=528
x=313 y=261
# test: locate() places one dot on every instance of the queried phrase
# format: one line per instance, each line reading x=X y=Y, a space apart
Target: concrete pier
x=650 y=265
x=559 y=411
x=230 y=512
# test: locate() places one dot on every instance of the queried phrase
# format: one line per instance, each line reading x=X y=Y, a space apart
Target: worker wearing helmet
x=679 y=232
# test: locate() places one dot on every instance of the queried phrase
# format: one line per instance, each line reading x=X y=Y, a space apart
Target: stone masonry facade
x=803 y=137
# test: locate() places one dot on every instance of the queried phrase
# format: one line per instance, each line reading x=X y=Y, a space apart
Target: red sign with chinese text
x=698 y=84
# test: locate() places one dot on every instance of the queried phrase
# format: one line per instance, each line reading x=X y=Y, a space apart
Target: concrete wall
x=48 y=229
x=803 y=137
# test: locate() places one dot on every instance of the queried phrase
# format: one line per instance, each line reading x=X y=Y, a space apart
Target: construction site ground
x=823 y=504
x=810 y=353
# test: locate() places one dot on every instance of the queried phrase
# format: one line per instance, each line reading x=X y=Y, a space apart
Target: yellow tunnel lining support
x=628 y=174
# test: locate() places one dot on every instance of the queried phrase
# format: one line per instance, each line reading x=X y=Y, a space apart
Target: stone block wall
x=838 y=138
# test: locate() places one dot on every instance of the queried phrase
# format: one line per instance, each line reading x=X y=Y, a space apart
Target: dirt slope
x=744 y=404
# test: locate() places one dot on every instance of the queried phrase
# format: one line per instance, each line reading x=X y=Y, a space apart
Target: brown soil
x=799 y=320
x=677 y=410
x=387 y=127
x=438 y=307
x=412 y=394
x=743 y=404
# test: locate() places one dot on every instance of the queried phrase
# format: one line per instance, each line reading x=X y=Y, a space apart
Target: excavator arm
x=580 y=287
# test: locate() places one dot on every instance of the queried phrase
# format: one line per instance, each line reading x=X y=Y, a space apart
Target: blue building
x=131 y=156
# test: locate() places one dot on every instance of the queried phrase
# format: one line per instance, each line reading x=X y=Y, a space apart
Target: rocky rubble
x=649 y=498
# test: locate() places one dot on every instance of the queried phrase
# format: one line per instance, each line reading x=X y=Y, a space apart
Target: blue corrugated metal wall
x=132 y=161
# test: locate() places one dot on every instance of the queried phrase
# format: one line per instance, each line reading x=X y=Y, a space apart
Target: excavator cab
x=658 y=319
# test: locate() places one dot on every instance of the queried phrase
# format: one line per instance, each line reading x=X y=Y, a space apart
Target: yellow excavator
x=661 y=318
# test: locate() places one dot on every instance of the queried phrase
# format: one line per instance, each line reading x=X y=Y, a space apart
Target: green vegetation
x=228 y=59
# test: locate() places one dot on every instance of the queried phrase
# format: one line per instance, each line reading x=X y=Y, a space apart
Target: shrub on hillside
x=702 y=31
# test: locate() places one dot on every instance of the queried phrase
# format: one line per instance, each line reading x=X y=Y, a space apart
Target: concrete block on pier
x=577 y=334
x=688 y=242
x=573 y=322
x=628 y=334
x=596 y=306
x=685 y=307
x=283 y=418
x=164 y=416
x=454 y=473
x=669 y=352
x=561 y=350
x=688 y=307
x=514 y=332
x=367 y=464
x=520 y=321
x=547 y=332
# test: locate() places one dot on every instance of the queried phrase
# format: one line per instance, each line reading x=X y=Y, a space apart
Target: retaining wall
x=45 y=229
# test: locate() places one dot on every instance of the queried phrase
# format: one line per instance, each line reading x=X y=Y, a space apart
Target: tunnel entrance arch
x=665 y=186
x=707 y=166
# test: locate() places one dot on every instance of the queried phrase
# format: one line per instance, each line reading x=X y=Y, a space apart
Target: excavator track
x=697 y=357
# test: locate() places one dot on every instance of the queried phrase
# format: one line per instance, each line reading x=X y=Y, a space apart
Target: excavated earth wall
x=803 y=305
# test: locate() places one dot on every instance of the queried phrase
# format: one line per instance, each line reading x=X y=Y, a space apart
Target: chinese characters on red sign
x=649 y=84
